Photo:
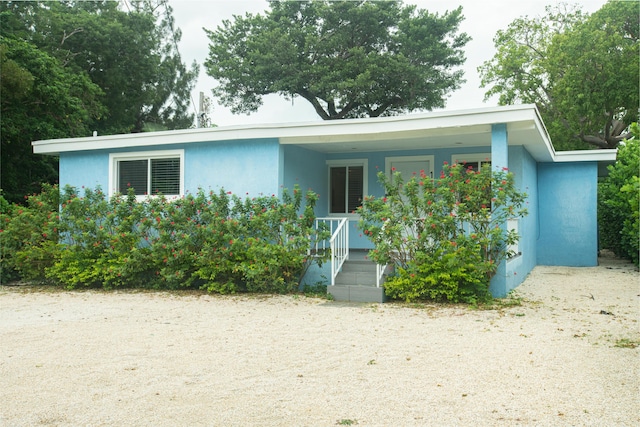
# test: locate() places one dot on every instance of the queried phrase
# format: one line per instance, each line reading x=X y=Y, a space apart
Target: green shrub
x=262 y=245
x=219 y=242
x=445 y=236
x=619 y=200
x=99 y=240
x=447 y=274
x=29 y=236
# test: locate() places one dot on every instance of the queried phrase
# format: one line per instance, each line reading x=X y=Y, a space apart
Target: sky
x=482 y=20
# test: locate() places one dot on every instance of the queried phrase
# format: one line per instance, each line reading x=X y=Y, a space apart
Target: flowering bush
x=98 y=240
x=29 y=235
x=447 y=236
x=219 y=242
x=260 y=244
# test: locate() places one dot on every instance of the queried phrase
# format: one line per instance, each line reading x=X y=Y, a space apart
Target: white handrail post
x=333 y=262
x=346 y=239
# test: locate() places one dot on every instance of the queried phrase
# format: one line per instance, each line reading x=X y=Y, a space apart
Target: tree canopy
x=347 y=58
x=580 y=70
x=72 y=67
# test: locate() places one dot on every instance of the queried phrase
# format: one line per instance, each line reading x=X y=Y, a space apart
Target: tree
x=131 y=55
x=348 y=59
x=619 y=202
x=39 y=99
x=581 y=71
x=72 y=67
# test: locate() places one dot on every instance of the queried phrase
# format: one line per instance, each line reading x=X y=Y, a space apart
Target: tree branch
x=65 y=36
x=384 y=106
x=314 y=101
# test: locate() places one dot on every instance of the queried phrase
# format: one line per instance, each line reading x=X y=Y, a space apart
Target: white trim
x=365 y=182
x=586 y=155
x=470 y=157
x=514 y=224
x=428 y=158
x=114 y=158
x=332 y=131
x=369 y=134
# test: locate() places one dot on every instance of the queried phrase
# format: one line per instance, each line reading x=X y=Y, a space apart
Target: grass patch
x=626 y=343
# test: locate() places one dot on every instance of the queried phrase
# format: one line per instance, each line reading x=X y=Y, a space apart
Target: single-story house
x=339 y=161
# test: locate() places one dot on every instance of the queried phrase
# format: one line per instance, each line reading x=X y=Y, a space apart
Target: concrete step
x=356 y=278
x=355 y=293
x=364 y=266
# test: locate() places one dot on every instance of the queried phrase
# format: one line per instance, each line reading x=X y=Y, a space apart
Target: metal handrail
x=338 y=243
x=380 y=269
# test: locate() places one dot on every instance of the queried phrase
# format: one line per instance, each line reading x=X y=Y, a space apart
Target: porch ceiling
x=458 y=136
x=430 y=131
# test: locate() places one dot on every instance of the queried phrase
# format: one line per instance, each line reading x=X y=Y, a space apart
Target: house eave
x=605 y=155
x=471 y=128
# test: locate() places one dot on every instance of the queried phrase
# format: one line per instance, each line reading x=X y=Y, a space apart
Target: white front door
x=408 y=166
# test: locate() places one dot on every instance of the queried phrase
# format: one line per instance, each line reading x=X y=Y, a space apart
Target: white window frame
x=470 y=158
x=365 y=182
x=114 y=158
x=513 y=224
x=419 y=158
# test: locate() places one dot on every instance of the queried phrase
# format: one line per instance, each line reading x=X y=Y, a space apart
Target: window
x=347 y=185
x=148 y=173
x=475 y=161
x=408 y=166
x=514 y=248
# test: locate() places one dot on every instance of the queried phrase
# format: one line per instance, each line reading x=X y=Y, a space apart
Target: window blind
x=355 y=187
x=134 y=174
x=165 y=176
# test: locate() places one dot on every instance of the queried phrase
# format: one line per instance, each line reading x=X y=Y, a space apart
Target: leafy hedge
x=619 y=202
x=447 y=236
x=215 y=241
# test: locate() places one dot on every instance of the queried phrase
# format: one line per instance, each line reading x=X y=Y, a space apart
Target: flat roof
x=441 y=129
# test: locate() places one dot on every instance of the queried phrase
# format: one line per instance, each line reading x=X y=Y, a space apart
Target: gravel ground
x=561 y=351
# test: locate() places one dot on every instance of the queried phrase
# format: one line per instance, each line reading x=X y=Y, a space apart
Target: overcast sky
x=482 y=20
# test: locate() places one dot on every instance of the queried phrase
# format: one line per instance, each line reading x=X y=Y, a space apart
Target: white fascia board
x=147 y=139
x=338 y=131
x=606 y=155
x=307 y=132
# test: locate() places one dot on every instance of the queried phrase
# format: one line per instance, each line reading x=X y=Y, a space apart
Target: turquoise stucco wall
x=499 y=160
x=521 y=164
x=524 y=169
x=568 y=214
x=307 y=169
x=89 y=169
x=244 y=166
